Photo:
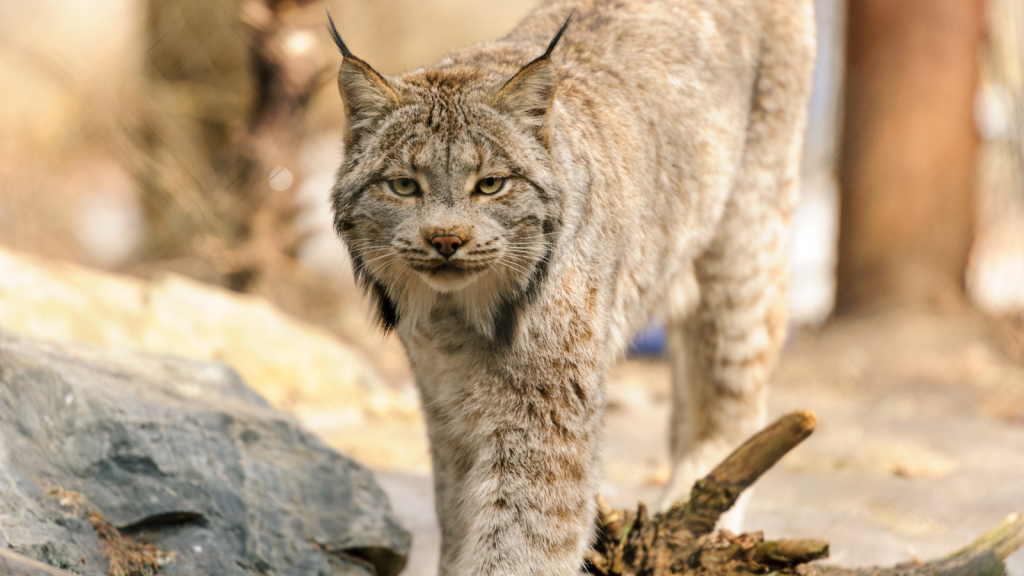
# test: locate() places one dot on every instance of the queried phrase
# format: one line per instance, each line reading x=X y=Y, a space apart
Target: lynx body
x=516 y=215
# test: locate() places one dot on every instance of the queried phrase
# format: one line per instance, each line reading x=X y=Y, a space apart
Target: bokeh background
x=164 y=173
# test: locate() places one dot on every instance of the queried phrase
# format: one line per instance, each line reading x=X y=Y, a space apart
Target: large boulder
x=182 y=453
x=296 y=366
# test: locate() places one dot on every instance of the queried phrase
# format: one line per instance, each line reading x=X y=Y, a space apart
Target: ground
x=919 y=449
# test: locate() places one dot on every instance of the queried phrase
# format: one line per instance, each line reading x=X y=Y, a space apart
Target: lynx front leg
x=446 y=479
x=519 y=476
x=530 y=505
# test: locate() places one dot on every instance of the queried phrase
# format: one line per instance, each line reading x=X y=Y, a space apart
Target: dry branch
x=983 y=557
x=12 y=564
x=681 y=541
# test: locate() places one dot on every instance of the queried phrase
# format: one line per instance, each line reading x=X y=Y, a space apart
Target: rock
x=180 y=452
x=296 y=366
x=12 y=564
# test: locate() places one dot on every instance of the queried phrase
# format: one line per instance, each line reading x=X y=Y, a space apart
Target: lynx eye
x=490 y=185
x=404 y=186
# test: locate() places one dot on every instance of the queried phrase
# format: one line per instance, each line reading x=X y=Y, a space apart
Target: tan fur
x=651 y=166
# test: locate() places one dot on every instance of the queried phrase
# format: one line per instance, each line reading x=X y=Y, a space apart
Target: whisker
x=537 y=236
x=518 y=268
x=368 y=251
x=531 y=255
x=375 y=259
x=525 y=245
x=538 y=247
x=386 y=263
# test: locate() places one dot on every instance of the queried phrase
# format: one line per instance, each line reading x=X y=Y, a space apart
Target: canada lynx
x=516 y=215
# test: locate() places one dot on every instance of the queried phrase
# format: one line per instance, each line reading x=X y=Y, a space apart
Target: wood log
x=682 y=540
x=983 y=557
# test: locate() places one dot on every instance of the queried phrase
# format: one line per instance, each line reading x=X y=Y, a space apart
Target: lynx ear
x=365 y=92
x=529 y=94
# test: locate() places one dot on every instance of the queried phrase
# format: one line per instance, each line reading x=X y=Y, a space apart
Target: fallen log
x=983 y=557
x=682 y=540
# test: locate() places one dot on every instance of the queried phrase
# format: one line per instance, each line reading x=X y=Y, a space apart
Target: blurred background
x=165 y=167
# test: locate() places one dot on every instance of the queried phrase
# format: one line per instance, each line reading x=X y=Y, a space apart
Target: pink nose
x=446 y=245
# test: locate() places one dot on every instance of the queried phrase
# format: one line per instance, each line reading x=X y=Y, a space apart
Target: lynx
x=517 y=211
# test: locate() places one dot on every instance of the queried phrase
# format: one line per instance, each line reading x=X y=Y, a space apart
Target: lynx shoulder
x=517 y=211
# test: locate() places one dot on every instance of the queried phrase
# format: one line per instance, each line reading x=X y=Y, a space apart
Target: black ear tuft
x=337 y=37
x=366 y=93
x=529 y=94
x=554 y=41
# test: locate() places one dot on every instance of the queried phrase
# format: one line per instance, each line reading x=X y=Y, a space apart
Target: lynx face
x=446 y=191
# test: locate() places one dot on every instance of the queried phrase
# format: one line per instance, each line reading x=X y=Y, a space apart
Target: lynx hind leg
x=723 y=352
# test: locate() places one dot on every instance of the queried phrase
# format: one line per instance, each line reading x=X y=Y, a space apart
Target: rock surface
x=297 y=367
x=182 y=453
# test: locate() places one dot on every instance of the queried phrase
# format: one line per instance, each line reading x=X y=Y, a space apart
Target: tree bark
x=908 y=149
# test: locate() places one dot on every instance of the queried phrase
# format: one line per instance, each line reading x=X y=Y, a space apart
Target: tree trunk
x=908 y=152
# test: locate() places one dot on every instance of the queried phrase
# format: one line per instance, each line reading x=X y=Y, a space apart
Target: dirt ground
x=919 y=449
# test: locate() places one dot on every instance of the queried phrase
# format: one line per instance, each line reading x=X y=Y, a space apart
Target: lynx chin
x=517 y=211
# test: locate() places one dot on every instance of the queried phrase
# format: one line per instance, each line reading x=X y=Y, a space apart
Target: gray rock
x=180 y=452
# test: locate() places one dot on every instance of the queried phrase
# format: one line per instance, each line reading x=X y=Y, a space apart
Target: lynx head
x=446 y=192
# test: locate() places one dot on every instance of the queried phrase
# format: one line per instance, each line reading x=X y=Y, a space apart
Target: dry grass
x=127 y=556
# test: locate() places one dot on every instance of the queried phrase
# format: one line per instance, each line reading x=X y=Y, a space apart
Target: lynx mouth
x=449 y=276
x=444 y=268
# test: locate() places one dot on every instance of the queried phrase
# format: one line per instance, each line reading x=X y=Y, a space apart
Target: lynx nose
x=446 y=245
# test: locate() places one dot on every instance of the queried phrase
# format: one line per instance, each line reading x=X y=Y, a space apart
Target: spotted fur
x=651 y=157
